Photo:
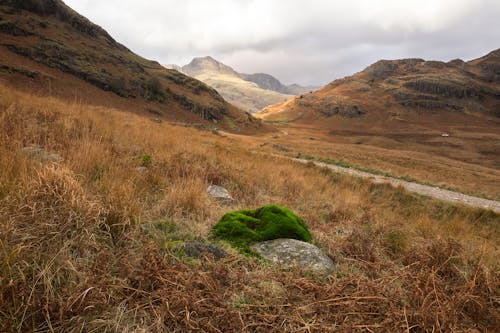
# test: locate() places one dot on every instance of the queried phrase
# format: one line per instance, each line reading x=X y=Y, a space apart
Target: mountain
x=269 y=82
x=251 y=92
x=408 y=102
x=48 y=48
x=405 y=86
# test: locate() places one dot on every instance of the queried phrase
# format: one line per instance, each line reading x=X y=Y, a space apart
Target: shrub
x=146 y=161
x=154 y=90
x=240 y=228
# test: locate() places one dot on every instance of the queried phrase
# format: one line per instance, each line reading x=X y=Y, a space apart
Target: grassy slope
x=63 y=54
x=82 y=243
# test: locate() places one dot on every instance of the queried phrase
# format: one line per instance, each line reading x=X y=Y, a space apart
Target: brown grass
x=82 y=242
x=461 y=168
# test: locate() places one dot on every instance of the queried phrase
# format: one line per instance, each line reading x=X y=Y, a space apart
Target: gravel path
x=431 y=191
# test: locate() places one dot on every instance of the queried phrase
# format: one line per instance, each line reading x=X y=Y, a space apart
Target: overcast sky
x=299 y=41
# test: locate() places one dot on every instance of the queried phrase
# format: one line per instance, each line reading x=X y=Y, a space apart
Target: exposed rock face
x=332 y=106
x=296 y=253
x=385 y=68
x=220 y=194
x=441 y=87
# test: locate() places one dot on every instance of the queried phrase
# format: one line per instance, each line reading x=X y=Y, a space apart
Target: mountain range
x=250 y=92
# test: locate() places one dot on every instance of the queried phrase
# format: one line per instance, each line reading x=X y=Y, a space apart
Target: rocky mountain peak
x=207 y=64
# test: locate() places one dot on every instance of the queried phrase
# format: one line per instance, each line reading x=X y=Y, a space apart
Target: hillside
x=91 y=242
x=48 y=48
x=250 y=92
x=445 y=109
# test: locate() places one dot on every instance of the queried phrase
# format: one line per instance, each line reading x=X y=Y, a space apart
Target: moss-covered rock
x=241 y=228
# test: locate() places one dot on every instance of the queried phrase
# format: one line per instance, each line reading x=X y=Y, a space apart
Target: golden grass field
x=461 y=168
x=83 y=242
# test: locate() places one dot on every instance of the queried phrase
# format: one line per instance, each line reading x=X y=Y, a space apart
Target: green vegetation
x=146 y=161
x=154 y=90
x=240 y=228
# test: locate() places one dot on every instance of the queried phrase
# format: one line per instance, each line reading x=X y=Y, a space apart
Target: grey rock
x=295 y=253
x=220 y=194
x=200 y=250
x=141 y=169
x=281 y=147
x=38 y=153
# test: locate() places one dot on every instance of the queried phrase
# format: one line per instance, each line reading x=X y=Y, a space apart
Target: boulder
x=220 y=194
x=38 y=153
x=295 y=253
x=200 y=250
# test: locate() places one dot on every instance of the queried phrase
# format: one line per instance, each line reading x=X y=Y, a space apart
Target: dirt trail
x=431 y=191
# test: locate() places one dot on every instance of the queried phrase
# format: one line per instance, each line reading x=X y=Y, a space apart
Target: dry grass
x=463 y=170
x=81 y=248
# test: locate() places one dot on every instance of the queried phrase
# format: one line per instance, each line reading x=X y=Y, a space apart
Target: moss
x=241 y=228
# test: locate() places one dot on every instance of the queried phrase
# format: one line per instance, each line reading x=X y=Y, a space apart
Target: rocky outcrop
x=332 y=106
x=292 y=252
x=442 y=87
x=385 y=68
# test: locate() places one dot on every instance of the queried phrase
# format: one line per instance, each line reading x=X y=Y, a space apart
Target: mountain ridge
x=250 y=92
x=46 y=47
x=411 y=84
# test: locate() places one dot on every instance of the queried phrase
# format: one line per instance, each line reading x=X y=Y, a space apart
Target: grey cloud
x=299 y=41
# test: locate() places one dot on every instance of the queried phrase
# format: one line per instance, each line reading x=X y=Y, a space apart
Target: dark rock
x=441 y=87
x=384 y=69
x=343 y=110
x=11 y=29
x=200 y=250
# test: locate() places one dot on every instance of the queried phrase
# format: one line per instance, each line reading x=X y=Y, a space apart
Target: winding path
x=427 y=190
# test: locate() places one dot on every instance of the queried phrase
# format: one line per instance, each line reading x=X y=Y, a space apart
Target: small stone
x=141 y=169
x=220 y=194
x=292 y=252
x=200 y=250
x=38 y=153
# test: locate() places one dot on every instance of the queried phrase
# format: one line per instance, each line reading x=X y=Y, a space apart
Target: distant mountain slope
x=269 y=82
x=449 y=109
x=251 y=92
x=394 y=88
x=48 y=48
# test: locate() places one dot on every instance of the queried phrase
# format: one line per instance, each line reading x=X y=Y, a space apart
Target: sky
x=309 y=42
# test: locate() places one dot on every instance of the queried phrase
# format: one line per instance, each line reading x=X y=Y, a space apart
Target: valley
x=136 y=197
x=249 y=92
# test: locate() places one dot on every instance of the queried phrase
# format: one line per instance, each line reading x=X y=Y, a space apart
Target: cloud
x=303 y=41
